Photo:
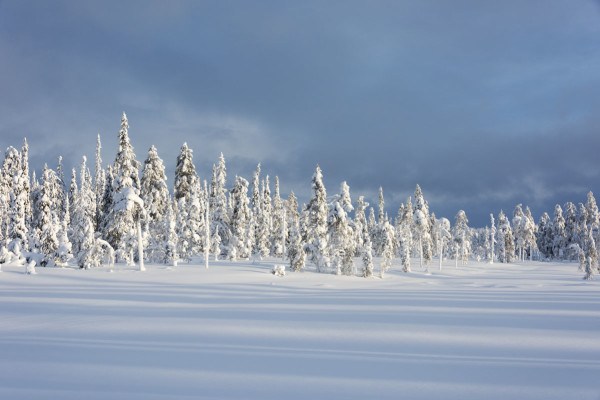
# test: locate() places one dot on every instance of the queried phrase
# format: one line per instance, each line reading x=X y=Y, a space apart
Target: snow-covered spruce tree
x=47 y=221
x=265 y=223
x=433 y=234
x=367 y=258
x=185 y=174
x=559 y=236
x=65 y=247
x=107 y=201
x=341 y=236
x=82 y=220
x=422 y=232
x=155 y=194
x=591 y=257
x=35 y=196
x=461 y=235
x=279 y=224
x=291 y=215
x=190 y=223
x=316 y=235
x=171 y=256
x=404 y=238
x=256 y=205
x=544 y=235
x=99 y=185
x=125 y=212
x=240 y=219
x=443 y=235
x=506 y=244
x=518 y=226
x=492 y=239
x=570 y=216
x=26 y=182
x=530 y=233
x=381 y=206
x=295 y=248
x=361 y=231
x=218 y=203
x=581 y=229
x=593 y=216
x=372 y=228
x=387 y=250
x=18 y=197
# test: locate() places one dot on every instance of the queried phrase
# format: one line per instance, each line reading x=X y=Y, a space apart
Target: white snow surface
x=236 y=331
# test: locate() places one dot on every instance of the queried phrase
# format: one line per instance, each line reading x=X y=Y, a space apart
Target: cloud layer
x=485 y=105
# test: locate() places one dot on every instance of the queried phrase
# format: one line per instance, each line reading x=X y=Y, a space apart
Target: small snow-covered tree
x=266 y=220
x=317 y=213
x=544 y=236
x=99 y=185
x=423 y=231
x=341 y=235
x=462 y=236
x=361 y=230
x=506 y=245
x=404 y=235
x=492 y=239
x=387 y=252
x=295 y=248
x=559 y=236
x=47 y=223
x=240 y=219
x=218 y=203
x=171 y=256
x=18 y=199
x=444 y=235
x=155 y=194
x=367 y=258
x=591 y=257
x=279 y=224
x=570 y=216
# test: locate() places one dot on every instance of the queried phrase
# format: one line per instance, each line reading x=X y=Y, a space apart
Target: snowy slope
x=528 y=331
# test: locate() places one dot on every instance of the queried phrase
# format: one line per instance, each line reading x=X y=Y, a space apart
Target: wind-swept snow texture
x=236 y=331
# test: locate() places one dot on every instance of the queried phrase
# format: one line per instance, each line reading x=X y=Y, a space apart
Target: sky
x=484 y=104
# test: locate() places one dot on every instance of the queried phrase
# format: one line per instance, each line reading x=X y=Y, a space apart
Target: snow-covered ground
x=528 y=331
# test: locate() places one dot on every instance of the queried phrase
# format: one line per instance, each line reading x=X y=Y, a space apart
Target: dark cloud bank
x=485 y=105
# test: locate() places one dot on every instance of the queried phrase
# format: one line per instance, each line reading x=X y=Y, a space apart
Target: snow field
x=236 y=331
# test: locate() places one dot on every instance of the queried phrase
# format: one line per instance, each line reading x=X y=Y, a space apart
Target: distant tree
x=47 y=225
x=361 y=230
x=279 y=224
x=461 y=235
x=155 y=194
x=444 y=235
x=124 y=214
x=99 y=185
x=421 y=227
x=544 y=237
x=367 y=258
x=492 y=239
x=506 y=244
x=18 y=199
x=317 y=213
x=218 y=203
x=240 y=219
x=404 y=234
x=341 y=235
x=295 y=248
x=559 y=236
x=387 y=253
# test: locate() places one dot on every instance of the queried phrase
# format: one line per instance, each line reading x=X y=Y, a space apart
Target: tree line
x=94 y=220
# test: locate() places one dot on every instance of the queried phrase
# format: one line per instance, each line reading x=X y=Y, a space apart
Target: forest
x=126 y=211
